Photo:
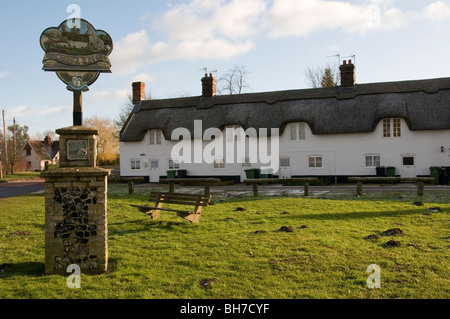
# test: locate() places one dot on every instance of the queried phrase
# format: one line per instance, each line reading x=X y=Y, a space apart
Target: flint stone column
x=76 y=229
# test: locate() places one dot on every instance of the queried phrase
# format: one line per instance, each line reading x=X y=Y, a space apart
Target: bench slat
x=164 y=209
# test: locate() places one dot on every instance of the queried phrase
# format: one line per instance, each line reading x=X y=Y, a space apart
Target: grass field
x=236 y=254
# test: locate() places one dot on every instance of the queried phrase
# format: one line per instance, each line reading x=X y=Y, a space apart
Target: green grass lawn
x=20 y=176
x=242 y=254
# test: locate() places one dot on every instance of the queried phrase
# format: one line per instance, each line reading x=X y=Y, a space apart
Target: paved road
x=13 y=189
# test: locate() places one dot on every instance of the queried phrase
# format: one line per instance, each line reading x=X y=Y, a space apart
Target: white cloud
x=130 y=53
x=222 y=29
x=143 y=77
x=436 y=11
x=200 y=29
x=301 y=18
x=208 y=19
x=101 y=96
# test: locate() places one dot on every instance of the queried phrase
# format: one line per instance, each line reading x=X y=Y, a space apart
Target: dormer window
x=392 y=128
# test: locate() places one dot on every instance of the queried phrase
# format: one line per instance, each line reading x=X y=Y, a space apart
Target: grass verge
x=241 y=253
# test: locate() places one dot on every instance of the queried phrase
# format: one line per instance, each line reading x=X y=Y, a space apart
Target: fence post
x=130 y=187
x=255 y=189
x=359 y=188
x=420 y=188
x=306 y=187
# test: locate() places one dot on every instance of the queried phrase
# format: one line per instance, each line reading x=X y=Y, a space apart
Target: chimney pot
x=138 y=92
x=347 y=74
x=208 y=86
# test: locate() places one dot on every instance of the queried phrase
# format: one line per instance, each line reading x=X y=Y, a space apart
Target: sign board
x=77 y=53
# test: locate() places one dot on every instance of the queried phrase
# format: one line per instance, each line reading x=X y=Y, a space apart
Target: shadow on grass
x=30 y=269
x=360 y=215
x=146 y=225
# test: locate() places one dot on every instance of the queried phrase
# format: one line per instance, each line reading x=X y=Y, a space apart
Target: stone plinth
x=78 y=146
x=76 y=220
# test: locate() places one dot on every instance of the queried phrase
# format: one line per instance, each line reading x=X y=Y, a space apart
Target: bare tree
x=107 y=141
x=234 y=81
x=125 y=112
x=321 y=77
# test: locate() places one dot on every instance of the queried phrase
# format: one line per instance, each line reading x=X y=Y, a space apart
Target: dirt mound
x=392 y=243
x=287 y=229
x=371 y=237
x=393 y=232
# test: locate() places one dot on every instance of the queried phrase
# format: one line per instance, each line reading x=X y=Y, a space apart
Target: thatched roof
x=43 y=151
x=424 y=104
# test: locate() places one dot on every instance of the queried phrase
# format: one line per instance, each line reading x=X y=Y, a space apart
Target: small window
x=285 y=162
x=135 y=164
x=408 y=161
x=28 y=150
x=387 y=128
x=397 y=128
x=155 y=137
x=315 y=162
x=219 y=163
x=373 y=160
x=174 y=164
x=394 y=130
x=154 y=164
x=297 y=131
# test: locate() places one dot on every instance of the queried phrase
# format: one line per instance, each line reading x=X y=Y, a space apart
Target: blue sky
x=166 y=44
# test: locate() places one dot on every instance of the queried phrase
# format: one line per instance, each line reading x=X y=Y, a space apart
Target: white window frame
x=155 y=137
x=315 y=163
x=413 y=156
x=374 y=164
x=297 y=131
x=174 y=164
x=392 y=127
x=135 y=164
x=219 y=163
x=282 y=159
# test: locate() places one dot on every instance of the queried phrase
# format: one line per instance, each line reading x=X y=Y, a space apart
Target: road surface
x=19 y=188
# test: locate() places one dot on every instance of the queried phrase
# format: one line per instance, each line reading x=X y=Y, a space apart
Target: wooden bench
x=255 y=183
x=206 y=182
x=160 y=198
x=420 y=181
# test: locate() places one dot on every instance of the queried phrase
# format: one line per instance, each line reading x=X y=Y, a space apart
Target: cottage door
x=154 y=171
x=285 y=168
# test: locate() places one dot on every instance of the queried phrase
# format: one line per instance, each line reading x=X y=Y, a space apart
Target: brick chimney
x=48 y=141
x=138 y=92
x=209 y=86
x=347 y=74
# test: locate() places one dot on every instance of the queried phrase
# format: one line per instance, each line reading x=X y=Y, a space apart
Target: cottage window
x=397 y=128
x=315 y=162
x=285 y=162
x=154 y=164
x=298 y=131
x=373 y=160
x=219 y=163
x=135 y=164
x=392 y=127
x=386 y=128
x=155 y=137
x=174 y=164
x=408 y=161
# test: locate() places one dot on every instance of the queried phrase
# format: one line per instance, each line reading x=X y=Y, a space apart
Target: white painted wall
x=342 y=154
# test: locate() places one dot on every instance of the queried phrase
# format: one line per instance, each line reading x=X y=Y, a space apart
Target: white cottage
x=38 y=154
x=401 y=128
